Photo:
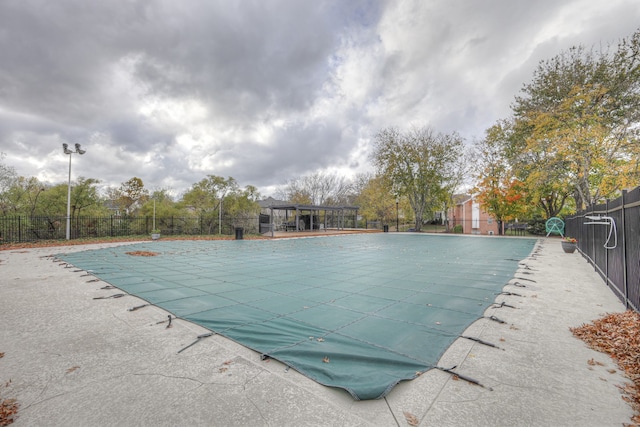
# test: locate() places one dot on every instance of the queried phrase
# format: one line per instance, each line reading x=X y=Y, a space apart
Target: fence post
x=593 y=242
x=625 y=277
x=606 y=252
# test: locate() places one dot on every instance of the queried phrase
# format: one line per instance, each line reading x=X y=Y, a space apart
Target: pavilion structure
x=299 y=217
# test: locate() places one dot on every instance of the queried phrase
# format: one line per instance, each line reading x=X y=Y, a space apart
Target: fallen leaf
x=326 y=359
x=412 y=420
x=142 y=253
x=72 y=369
x=320 y=340
x=618 y=335
x=8 y=409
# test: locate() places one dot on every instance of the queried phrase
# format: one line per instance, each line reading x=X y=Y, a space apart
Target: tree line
x=571 y=140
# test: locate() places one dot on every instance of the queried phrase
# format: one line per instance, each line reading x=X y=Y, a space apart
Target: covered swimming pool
x=360 y=312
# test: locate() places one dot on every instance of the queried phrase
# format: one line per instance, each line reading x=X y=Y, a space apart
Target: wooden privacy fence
x=609 y=238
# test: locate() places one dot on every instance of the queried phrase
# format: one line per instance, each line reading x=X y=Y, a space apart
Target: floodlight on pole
x=80 y=151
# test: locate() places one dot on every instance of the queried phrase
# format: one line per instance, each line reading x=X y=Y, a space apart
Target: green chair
x=554 y=225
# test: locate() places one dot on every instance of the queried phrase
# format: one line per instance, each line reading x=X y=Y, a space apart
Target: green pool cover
x=361 y=312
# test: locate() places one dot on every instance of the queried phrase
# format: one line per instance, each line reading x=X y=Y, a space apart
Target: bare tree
x=319 y=189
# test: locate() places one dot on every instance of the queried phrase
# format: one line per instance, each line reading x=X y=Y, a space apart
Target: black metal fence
x=609 y=238
x=16 y=229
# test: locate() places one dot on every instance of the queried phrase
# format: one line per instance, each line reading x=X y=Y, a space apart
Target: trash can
x=385 y=228
x=239 y=233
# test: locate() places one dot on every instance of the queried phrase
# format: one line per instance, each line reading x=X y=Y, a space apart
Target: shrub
x=537 y=226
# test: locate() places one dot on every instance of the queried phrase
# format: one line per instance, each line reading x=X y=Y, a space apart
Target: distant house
x=468 y=212
x=266 y=204
x=113 y=208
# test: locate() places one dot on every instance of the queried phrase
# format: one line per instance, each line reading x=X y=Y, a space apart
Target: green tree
x=21 y=196
x=53 y=201
x=421 y=165
x=85 y=198
x=242 y=203
x=164 y=204
x=206 y=197
x=8 y=176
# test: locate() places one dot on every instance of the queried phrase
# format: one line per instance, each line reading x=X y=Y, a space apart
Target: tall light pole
x=397 y=215
x=80 y=151
x=220 y=215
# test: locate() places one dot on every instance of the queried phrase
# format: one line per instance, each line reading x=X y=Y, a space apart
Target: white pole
x=69 y=201
x=220 y=217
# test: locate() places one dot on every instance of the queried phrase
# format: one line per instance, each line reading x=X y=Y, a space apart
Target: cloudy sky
x=265 y=90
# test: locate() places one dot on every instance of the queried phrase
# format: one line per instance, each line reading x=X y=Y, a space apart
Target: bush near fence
x=17 y=229
x=619 y=266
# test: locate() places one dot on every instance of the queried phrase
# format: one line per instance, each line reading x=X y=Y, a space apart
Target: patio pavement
x=71 y=359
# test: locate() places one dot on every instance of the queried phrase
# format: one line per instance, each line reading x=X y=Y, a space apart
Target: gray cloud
x=264 y=91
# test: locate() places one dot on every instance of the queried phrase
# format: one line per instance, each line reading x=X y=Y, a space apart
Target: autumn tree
x=130 y=196
x=375 y=198
x=500 y=192
x=421 y=165
x=577 y=124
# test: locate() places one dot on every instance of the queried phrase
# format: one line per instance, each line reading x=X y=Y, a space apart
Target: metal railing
x=17 y=229
x=609 y=238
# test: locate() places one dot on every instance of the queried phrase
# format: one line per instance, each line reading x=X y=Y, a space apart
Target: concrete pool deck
x=71 y=359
